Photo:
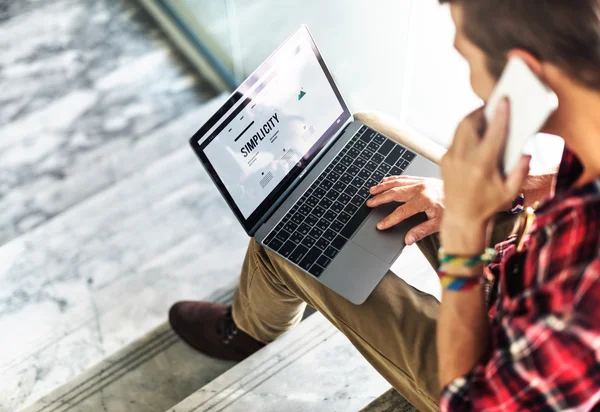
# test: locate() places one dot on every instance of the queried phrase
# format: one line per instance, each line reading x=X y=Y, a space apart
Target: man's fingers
x=422 y=231
x=495 y=137
x=399 y=193
x=403 y=212
x=394 y=181
x=515 y=179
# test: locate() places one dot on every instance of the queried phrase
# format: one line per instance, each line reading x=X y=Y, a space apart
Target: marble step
x=311 y=368
x=390 y=401
x=151 y=374
x=104 y=272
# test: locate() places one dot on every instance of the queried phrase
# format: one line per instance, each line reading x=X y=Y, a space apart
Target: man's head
x=559 y=39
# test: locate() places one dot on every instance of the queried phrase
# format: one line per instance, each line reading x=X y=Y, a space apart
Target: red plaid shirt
x=544 y=350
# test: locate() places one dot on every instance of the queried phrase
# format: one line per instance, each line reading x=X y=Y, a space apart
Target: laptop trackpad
x=386 y=244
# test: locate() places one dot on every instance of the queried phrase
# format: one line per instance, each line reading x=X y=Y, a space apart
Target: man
x=538 y=346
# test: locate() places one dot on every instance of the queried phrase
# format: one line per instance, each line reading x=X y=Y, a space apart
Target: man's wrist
x=460 y=236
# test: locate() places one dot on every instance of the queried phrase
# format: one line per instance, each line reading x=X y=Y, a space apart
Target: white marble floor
x=106 y=216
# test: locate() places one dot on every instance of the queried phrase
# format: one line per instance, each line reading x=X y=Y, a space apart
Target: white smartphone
x=531 y=104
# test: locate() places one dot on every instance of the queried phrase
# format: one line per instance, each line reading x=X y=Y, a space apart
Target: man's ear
x=534 y=64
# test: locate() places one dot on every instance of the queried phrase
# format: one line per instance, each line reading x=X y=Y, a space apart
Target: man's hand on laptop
x=418 y=195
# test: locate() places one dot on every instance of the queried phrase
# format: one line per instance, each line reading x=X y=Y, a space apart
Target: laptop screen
x=283 y=115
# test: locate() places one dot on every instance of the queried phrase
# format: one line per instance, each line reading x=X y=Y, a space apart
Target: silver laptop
x=296 y=168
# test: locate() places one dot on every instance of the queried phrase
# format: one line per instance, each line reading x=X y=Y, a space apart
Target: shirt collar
x=570 y=170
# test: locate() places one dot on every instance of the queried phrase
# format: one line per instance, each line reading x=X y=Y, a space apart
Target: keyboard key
x=344 y=198
x=297 y=218
x=320 y=192
x=330 y=252
x=340 y=167
x=371 y=134
x=366 y=154
x=359 y=162
x=337 y=207
x=325 y=203
x=279 y=226
x=296 y=237
x=339 y=242
x=290 y=226
x=298 y=254
x=350 y=190
x=358 y=181
x=361 y=214
x=305 y=210
x=377 y=175
x=366 y=137
x=311 y=220
x=359 y=144
x=333 y=176
x=275 y=244
x=371 y=166
x=322 y=244
x=346 y=178
x=310 y=258
x=364 y=192
x=374 y=146
x=350 y=209
x=372 y=182
x=395 y=171
x=357 y=201
x=318 y=211
x=312 y=201
x=394 y=155
x=287 y=249
x=304 y=229
x=308 y=241
x=408 y=155
x=344 y=217
x=323 y=224
x=404 y=165
x=316 y=270
x=283 y=236
x=386 y=147
x=379 y=138
x=353 y=170
x=316 y=232
x=339 y=186
x=332 y=194
x=325 y=184
x=353 y=152
x=329 y=235
x=324 y=261
x=364 y=174
x=346 y=161
x=378 y=158
x=329 y=216
x=270 y=237
x=336 y=226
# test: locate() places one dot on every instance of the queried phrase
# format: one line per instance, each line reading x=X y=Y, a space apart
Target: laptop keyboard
x=320 y=223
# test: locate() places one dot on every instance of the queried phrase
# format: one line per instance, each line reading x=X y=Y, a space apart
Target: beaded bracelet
x=466 y=261
x=459 y=284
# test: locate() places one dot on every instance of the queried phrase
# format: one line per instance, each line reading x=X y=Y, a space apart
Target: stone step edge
x=390 y=401
x=115 y=366
x=253 y=371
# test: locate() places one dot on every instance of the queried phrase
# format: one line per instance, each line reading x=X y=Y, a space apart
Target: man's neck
x=582 y=135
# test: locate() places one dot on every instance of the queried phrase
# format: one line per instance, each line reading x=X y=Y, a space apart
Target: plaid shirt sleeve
x=544 y=337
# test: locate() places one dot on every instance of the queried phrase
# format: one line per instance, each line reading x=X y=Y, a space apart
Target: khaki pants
x=394 y=329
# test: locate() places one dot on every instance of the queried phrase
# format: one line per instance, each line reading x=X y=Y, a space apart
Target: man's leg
x=394 y=329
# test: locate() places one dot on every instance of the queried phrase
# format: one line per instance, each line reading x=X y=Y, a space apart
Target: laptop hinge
x=300 y=178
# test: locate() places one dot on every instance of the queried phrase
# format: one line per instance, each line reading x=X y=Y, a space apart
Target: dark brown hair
x=562 y=32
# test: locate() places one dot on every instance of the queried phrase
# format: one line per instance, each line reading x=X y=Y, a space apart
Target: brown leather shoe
x=209 y=328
